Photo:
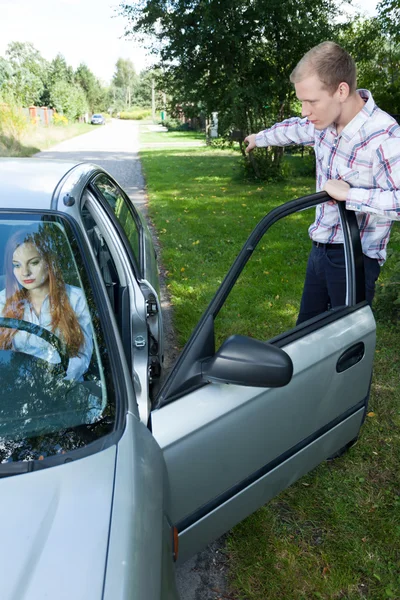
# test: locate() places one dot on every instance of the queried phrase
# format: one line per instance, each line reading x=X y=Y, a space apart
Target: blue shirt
x=36 y=346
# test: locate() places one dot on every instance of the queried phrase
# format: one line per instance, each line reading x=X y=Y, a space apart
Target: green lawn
x=336 y=532
x=168 y=137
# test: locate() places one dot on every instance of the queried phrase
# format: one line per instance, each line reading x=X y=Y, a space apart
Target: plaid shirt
x=366 y=154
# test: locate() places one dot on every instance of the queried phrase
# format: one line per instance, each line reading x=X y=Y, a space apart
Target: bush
x=69 y=100
x=266 y=164
x=173 y=124
x=59 y=119
x=302 y=166
x=222 y=143
x=13 y=122
x=136 y=114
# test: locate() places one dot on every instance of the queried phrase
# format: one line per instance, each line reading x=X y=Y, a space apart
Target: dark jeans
x=325 y=284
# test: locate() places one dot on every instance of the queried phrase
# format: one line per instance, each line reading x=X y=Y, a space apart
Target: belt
x=328 y=246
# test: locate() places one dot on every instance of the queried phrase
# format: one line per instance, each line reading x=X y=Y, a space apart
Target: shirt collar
x=361 y=117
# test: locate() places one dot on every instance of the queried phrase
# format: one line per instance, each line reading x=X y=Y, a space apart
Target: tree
x=125 y=80
x=389 y=16
x=60 y=71
x=144 y=88
x=69 y=100
x=91 y=85
x=5 y=72
x=29 y=73
x=235 y=56
x=378 y=61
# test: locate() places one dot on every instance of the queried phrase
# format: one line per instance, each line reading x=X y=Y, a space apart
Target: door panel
x=222 y=442
x=227 y=514
x=235 y=431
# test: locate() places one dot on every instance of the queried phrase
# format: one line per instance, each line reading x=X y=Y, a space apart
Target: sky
x=81 y=30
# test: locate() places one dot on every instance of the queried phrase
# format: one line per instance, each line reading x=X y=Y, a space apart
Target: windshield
x=55 y=393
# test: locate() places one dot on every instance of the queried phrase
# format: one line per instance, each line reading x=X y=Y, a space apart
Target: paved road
x=115 y=148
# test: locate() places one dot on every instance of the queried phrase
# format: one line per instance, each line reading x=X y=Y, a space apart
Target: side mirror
x=245 y=361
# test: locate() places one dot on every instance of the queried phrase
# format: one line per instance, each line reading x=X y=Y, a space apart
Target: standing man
x=357 y=149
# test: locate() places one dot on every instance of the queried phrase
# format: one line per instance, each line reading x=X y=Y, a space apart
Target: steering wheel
x=40 y=332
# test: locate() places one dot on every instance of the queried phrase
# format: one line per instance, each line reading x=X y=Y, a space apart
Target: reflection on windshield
x=52 y=391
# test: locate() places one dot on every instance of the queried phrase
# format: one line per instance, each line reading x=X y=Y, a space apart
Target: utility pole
x=153 y=99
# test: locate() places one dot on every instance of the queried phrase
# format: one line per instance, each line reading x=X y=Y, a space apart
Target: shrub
x=13 y=122
x=266 y=164
x=222 y=143
x=69 y=99
x=173 y=124
x=59 y=119
x=136 y=114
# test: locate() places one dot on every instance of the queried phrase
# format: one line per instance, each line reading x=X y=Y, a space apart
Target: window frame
x=138 y=266
x=117 y=389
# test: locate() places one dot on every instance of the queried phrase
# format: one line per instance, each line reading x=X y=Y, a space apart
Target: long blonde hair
x=64 y=321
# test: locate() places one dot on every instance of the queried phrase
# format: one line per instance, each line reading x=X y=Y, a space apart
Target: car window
x=265 y=300
x=123 y=210
x=56 y=391
x=105 y=261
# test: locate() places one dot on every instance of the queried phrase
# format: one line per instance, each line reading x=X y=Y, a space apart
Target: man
x=357 y=148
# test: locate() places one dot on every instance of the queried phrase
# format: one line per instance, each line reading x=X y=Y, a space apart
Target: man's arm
x=383 y=200
x=290 y=131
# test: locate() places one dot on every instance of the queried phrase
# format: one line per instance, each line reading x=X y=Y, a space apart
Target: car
x=98 y=119
x=110 y=474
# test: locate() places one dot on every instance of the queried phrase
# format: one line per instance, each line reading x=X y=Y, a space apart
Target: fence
x=39 y=115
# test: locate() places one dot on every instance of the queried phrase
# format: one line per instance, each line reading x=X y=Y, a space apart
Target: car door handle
x=350 y=357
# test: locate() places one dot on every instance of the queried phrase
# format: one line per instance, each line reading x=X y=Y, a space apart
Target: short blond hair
x=332 y=65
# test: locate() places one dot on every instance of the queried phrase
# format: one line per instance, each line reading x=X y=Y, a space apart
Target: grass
x=37 y=138
x=169 y=137
x=336 y=532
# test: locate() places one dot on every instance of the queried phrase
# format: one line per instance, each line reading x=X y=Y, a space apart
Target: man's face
x=318 y=105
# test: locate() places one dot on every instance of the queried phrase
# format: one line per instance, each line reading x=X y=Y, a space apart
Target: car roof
x=30 y=182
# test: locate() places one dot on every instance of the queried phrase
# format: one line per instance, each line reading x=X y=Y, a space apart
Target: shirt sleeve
x=290 y=131
x=78 y=365
x=384 y=198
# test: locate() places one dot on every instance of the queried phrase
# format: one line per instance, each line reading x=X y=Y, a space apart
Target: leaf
x=371 y=414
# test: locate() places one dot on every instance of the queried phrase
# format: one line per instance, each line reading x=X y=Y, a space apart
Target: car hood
x=54 y=529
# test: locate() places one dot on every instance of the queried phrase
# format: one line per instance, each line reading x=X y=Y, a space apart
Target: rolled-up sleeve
x=291 y=131
x=384 y=198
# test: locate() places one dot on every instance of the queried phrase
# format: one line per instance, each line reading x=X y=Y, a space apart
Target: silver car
x=109 y=474
x=98 y=119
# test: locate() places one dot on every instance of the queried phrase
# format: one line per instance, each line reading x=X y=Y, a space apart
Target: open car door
x=240 y=423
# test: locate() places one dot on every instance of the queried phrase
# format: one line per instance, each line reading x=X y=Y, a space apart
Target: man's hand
x=250 y=140
x=337 y=189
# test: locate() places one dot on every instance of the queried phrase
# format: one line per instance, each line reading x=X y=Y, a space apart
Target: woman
x=36 y=292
